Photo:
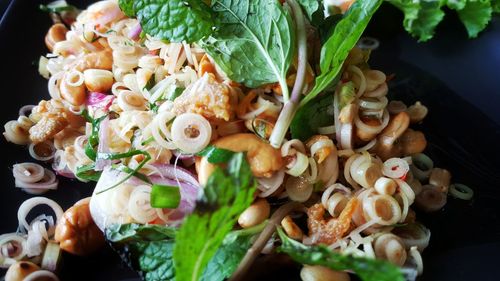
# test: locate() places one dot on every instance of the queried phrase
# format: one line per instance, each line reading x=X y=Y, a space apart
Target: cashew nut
x=390 y=247
x=257 y=213
x=98 y=80
x=19 y=270
x=264 y=160
x=56 y=33
x=77 y=232
x=321 y=273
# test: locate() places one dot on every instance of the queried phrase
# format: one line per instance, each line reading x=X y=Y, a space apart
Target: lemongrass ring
x=74 y=78
x=347 y=171
x=422 y=166
x=321 y=144
x=362 y=79
x=372 y=129
x=128 y=100
x=269 y=185
x=139 y=206
x=406 y=189
x=299 y=165
x=461 y=191
x=47 y=151
x=21 y=243
x=29 y=204
x=28 y=172
x=430 y=199
x=378 y=92
x=366 y=147
x=378 y=207
x=415 y=254
x=313 y=171
x=288 y=147
x=368 y=43
x=395 y=168
x=41 y=275
x=191 y=132
x=377 y=103
x=53 y=85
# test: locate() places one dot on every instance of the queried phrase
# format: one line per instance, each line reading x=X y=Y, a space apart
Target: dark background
x=457 y=78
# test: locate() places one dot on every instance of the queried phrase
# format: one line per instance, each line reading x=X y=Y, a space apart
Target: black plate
x=457 y=79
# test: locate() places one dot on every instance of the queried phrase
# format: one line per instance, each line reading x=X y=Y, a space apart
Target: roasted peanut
x=76 y=231
x=98 y=80
x=321 y=273
x=56 y=33
x=264 y=160
x=71 y=90
x=412 y=142
x=19 y=270
x=440 y=178
x=257 y=213
x=291 y=229
x=390 y=247
x=386 y=146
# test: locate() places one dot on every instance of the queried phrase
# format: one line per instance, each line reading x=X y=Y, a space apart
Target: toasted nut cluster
x=76 y=231
x=257 y=213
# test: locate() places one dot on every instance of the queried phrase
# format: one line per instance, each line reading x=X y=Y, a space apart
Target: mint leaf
x=337 y=47
x=366 y=269
x=216 y=155
x=254 y=42
x=155 y=260
x=307 y=120
x=127 y=7
x=175 y=20
x=310 y=8
x=421 y=17
x=120 y=233
x=226 y=194
x=475 y=16
x=456 y=4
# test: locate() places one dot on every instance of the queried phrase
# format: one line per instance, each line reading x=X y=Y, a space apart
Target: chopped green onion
x=127 y=170
x=175 y=93
x=88 y=173
x=216 y=155
x=148 y=141
x=164 y=196
x=461 y=191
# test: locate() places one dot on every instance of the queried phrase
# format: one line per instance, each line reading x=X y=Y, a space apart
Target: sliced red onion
x=26 y=110
x=99 y=100
x=176 y=173
x=182 y=156
x=59 y=166
x=269 y=185
x=33 y=151
x=103 y=146
x=28 y=172
x=135 y=31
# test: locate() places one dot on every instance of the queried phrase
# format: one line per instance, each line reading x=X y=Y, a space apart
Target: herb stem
x=286 y=116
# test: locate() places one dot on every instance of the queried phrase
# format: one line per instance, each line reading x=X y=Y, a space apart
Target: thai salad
x=219 y=132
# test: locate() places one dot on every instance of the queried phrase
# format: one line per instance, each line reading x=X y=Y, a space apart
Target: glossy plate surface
x=457 y=79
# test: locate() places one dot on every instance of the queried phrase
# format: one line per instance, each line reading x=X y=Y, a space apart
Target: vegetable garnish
x=93 y=141
x=88 y=173
x=163 y=196
x=227 y=194
x=366 y=269
x=216 y=155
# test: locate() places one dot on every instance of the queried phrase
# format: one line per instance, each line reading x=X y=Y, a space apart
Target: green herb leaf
x=310 y=8
x=344 y=37
x=216 y=155
x=226 y=194
x=366 y=269
x=88 y=173
x=475 y=16
x=175 y=20
x=254 y=43
x=311 y=116
x=495 y=5
x=421 y=17
x=163 y=196
x=127 y=7
x=175 y=93
x=132 y=232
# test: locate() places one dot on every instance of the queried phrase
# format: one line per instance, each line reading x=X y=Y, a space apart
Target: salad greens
x=216 y=249
x=366 y=269
x=421 y=17
x=163 y=196
x=226 y=195
x=253 y=42
x=216 y=155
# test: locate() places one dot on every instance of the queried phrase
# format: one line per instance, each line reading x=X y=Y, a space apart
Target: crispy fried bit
x=47 y=127
x=323 y=152
x=329 y=231
x=207 y=97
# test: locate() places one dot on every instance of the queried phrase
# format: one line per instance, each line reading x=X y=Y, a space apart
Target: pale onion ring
x=371 y=209
x=378 y=92
x=33 y=153
x=181 y=132
x=28 y=172
x=29 y=204
x=395 y=168
x=461 y=191
x=269 y=185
